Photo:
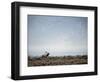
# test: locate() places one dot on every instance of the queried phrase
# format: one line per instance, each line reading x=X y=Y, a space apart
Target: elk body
x=45 y=55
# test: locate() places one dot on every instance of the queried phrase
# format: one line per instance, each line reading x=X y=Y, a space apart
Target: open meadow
x=57 y=60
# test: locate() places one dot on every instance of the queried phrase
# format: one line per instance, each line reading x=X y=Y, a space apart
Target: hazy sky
x=57 y=33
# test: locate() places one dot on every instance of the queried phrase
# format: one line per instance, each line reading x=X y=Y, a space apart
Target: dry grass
x=63 y=60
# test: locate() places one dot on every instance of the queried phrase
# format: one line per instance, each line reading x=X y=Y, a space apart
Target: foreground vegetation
x=62 y=60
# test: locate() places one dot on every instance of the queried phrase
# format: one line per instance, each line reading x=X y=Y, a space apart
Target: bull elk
x=45 y=55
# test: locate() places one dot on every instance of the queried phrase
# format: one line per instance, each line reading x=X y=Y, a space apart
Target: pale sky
x=57 y=33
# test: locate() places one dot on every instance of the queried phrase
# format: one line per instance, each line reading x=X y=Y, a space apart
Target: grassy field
x=63 y=60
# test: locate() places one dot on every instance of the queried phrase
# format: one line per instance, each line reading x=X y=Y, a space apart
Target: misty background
x=58 y=35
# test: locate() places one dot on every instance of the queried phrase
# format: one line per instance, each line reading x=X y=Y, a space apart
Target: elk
x=45 y=55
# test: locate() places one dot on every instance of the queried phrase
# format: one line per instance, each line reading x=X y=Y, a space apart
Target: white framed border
x=25 y=70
